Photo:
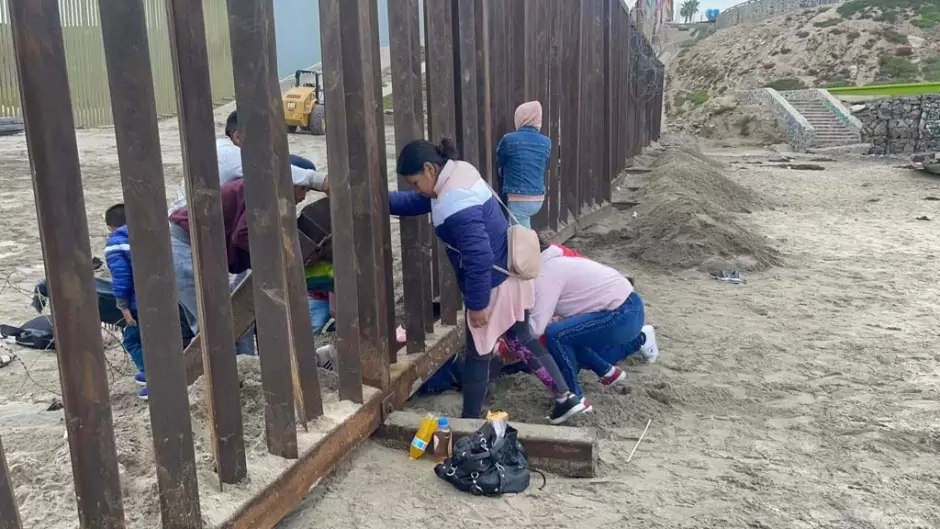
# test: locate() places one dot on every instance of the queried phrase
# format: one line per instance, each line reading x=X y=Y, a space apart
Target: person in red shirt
x=237 y=249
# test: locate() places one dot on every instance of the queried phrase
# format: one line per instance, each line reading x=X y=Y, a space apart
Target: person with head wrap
x=521 y=160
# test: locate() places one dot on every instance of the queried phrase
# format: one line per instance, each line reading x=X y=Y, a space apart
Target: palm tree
x=688 y=10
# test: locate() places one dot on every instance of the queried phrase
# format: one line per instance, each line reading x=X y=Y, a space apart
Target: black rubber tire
x=317 y=124
x=292 y=128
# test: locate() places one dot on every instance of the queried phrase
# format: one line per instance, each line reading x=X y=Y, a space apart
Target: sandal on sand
x=728 y=276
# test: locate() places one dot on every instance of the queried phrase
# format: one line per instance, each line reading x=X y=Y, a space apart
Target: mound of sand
x=689 y=173
x=687 y=218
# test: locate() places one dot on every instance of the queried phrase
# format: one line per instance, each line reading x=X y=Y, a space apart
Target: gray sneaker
x=326 y=357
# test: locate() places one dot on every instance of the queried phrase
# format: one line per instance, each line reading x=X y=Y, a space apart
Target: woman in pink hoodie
x=599 y=312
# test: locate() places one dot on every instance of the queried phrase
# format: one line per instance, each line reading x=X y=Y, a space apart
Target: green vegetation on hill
x=897 y=70
x=931 y=69
x=828 y=23
x=927 y=12
x=697 y=97
x=789 y=83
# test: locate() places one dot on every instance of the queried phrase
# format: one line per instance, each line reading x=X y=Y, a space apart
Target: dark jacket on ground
x=236 y=225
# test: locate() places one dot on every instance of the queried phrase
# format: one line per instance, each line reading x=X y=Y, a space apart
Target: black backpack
x=483 y=466
x=35 y=334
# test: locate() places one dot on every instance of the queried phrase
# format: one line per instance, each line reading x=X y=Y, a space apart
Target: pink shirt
x=570 y=286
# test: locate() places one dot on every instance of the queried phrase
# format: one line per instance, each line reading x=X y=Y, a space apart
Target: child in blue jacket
x=118 y=256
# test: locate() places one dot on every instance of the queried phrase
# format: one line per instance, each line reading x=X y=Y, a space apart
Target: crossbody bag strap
x=495 y=266
x=505 y=207
x=508 y=212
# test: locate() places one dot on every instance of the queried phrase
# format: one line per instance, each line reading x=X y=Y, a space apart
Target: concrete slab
x=562 y=450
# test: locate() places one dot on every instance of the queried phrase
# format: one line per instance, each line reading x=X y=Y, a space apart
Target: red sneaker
x=616 y=377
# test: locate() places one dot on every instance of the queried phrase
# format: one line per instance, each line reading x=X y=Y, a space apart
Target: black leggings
x=476 y=369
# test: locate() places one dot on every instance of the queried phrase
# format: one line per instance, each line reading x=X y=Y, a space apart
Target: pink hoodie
x=570 y=286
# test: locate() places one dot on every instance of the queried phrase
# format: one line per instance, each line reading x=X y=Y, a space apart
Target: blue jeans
x=574 y=342
x=186 y=293
x=524 y=211
x=319 y=313
x=132 y=344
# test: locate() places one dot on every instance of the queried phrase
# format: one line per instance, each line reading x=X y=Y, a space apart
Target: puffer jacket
x=118 y=255
x=470 y=222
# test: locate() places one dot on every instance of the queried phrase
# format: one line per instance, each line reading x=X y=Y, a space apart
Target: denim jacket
x=523 y=157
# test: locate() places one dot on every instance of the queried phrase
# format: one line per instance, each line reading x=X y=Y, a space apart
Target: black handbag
x=485 y=466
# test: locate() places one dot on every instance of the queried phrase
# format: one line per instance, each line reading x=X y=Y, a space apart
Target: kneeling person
x=600 y=314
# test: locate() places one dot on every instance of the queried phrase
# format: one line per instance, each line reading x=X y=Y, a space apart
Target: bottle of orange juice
x=423 y=437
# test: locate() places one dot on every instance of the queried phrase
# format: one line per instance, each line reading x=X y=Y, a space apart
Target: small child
x=118 y=255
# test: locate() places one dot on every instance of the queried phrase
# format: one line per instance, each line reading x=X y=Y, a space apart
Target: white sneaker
x=650 y=348
x=326 y=357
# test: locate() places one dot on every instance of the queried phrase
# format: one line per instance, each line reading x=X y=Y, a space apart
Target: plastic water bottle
x=443 y=441
x=422 y=439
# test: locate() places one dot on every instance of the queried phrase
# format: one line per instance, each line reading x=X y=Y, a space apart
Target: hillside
x=857 y=43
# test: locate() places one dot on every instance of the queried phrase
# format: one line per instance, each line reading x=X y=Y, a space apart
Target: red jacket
x=236 y=225
x=567 y=252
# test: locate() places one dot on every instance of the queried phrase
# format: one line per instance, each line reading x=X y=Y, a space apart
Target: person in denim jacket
x=522 y=157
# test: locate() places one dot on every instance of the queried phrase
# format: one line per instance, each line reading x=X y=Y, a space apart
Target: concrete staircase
x=830 y=131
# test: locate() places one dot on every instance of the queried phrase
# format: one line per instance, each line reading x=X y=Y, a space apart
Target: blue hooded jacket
x=118 y=255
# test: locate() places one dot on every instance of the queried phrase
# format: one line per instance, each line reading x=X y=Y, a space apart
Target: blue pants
x=524 y=211
x=186 y=292
x=596 y=340
x=319 y=313
x=132 y=344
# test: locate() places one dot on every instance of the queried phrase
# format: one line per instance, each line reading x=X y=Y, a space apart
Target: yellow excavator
x=303 y=104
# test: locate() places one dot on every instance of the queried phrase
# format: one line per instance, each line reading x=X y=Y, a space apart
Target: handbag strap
x=505 y=207
x=508 y=212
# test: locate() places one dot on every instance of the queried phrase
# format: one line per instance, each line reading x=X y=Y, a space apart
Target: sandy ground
x=804 y=398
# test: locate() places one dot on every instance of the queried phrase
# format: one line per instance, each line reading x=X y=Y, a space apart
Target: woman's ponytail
x=448 y=149
x=419 y=152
